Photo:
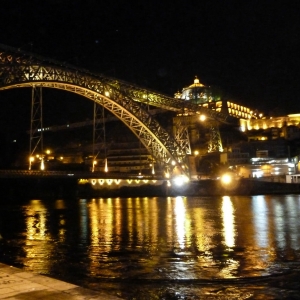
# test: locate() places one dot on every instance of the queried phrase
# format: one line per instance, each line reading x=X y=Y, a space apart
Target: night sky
x=250 y=49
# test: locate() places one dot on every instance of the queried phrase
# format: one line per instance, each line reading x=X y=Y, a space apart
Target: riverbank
x=18 y=284
x=197 y=188
x=70 y=188
x=241 y=187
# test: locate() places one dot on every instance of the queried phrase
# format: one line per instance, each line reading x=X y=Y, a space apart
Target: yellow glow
x=196 y=152
x=98 y=211
x=31 y=158
x=48 y=151
x=202 y=118
x=42 y=165
x=105 y=166
x=36 y=230
x=107 y=94
x=228 y=221
x=82 y=181
x=180 y=180
x=226 y=179
x=182 y=222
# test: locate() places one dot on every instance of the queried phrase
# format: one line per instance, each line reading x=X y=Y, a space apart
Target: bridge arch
x=19 y=70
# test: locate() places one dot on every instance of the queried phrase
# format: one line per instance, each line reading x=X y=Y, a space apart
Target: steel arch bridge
x=19 y=69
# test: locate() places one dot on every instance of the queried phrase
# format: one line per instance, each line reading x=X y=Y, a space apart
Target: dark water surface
x=241 y=247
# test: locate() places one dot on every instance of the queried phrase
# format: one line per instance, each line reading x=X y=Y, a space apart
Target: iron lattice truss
x=20 y=69
x=36 y=135
x=181 y=133
x=215 y=142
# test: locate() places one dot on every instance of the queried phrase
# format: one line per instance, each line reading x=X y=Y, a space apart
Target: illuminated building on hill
x=211 y=97
x=286 y=127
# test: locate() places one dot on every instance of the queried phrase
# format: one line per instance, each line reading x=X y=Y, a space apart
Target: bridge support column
x=99 y=135
x=36 y=126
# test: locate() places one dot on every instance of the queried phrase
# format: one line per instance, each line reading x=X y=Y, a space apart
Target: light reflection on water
x=180 y=238
x=228 y=222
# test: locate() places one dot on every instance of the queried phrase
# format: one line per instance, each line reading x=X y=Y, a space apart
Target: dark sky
x=250 y=49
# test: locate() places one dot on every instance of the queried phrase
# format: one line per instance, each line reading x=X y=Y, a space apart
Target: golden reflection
x=130 y=225
x=139 y=226
x=232 y=266
x=171 y=231
x=169 y=221
x=94 y=222
x=37 y=244
x=153 y=221
x=229 y=231
x=146 y=216
x=180 y=221
x=118 y=220
x=228 y=222
x=202 y=229
x=60 y=204
x=36 y=220
x=101 y=215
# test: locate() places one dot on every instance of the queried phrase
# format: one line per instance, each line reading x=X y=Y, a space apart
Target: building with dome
x=258 y=146
x=211 y=98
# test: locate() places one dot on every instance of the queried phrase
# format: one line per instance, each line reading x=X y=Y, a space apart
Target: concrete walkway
x=20 y=285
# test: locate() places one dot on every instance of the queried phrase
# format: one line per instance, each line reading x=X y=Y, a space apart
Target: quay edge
x=72 y=188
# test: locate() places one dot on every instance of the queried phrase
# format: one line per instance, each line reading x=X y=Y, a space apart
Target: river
x=241 y=247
